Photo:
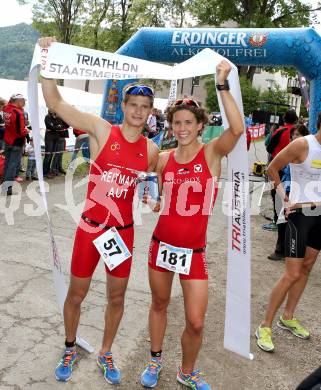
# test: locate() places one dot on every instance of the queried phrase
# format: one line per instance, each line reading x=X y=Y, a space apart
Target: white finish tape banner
x=71 y=62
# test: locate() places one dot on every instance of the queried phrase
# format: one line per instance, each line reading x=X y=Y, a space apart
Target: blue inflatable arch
x=297 y=47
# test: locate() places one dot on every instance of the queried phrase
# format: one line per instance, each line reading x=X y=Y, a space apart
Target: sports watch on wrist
x=223 y=87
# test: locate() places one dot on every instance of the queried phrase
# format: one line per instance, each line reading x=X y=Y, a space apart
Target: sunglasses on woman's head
x=143 y=90
x=186 y=102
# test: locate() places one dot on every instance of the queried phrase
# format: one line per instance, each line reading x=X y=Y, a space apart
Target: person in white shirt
x=152 y=124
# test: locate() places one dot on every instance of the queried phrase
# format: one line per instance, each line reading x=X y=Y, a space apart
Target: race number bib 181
x=174 y=259
x=112 y=248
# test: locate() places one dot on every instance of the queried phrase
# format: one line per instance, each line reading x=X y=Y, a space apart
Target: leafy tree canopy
x=252 y=97
x=255 y=13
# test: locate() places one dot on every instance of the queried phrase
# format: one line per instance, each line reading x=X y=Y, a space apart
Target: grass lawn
x=82 y=169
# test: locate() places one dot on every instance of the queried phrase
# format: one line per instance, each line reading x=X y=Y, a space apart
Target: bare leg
x=78 y=289
x=298 y=288
x=161 y=286
x=116 y=289
x=195 y=302
x=291 y=275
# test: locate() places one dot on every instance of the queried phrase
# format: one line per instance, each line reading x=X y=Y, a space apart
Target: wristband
x=223 y=87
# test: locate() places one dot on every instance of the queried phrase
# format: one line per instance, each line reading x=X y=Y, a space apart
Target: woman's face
x=185 y=127
x=296 y=134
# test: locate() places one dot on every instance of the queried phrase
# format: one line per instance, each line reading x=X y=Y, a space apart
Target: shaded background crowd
x=16 y=141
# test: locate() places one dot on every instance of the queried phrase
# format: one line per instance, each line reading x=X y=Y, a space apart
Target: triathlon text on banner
x=71 y=62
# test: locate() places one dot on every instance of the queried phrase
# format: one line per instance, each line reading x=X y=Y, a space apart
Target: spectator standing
x=248 y=121
x=302 y=237
x=82 y=142
x=56 y=165
x=20 y=167
x=14 y=138
x=54 y=125
x=160 y=119
x=31 y=172
x=2 y=126
x=278 y=141
x=152 y=124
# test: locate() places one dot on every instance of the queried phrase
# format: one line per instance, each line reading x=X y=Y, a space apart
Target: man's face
x=136 y=110
x=20 y=103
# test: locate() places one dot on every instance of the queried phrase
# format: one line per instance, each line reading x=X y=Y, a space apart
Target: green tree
x=254 y=13
x=120 y=28
x=57 y=17
x=159 y=13
x=275 y=99
x=250 y=95
x=92 y=32
x=130 y=15
x=104 y=24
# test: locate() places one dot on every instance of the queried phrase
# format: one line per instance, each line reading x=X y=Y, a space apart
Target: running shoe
x=264 y=339
x=109 y=369
x=149 y=377
x=65 y=366
x=276 y=257
x=193 y=380
x=294 y=327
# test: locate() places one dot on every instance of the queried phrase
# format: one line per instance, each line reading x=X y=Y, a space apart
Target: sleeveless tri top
x=113 y=179
x=306 y=177
x=189 y=194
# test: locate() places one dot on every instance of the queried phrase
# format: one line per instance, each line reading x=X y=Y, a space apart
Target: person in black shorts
x=302 y=242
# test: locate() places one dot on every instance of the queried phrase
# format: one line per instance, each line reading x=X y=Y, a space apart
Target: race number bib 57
x=174 y=259
x=112 y=248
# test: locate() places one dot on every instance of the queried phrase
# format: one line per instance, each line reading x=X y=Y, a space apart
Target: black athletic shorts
x=303 y=229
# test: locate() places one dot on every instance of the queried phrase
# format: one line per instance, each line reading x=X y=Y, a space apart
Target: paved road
x=31 y=329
